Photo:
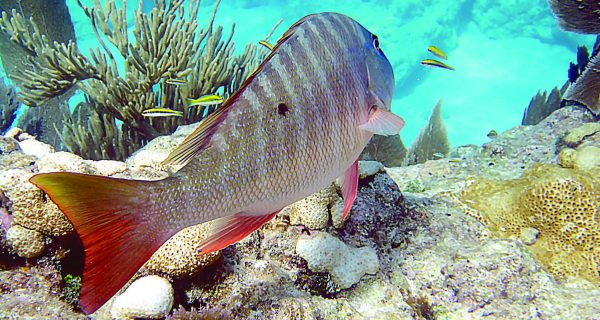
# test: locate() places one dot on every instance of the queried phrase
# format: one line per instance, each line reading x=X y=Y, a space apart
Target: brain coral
x=313 y=211
x=563 y=204
x=179 y=257
x=30 y=207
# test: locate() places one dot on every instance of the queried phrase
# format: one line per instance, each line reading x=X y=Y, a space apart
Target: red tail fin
x=113 y=218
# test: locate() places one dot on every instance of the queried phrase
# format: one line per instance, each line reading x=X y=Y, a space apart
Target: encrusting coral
x=562 y=204
x=167 y=44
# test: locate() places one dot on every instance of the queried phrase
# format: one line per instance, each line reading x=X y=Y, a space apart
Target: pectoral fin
x=383 y=123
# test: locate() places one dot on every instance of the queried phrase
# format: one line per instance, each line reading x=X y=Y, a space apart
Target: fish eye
x=375 y=42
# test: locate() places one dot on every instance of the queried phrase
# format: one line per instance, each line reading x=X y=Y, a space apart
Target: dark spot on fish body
x=282 y=109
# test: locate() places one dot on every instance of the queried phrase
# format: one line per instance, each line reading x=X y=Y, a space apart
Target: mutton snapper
x=298 y=123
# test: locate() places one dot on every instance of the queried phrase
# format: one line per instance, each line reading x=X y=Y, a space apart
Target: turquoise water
x=428 y=254
x=501 y=58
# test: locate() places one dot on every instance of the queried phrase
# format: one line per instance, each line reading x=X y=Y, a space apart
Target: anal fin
x=232 y=229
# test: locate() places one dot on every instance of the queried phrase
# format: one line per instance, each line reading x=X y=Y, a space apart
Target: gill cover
x=380 y=75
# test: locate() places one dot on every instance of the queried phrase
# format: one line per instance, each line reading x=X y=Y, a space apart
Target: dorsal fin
x=199 y=140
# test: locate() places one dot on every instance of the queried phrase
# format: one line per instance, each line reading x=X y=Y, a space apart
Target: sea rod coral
x=167 y=43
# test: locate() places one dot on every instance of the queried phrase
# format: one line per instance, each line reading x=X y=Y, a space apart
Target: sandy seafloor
x=520 y=50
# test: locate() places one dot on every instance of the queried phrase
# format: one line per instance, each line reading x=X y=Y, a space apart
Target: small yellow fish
x=161 y=112
x=437 y=52
x=206 y=100
x=176 y=81
x=492 y=134
x=266 y=44
x=435 y=63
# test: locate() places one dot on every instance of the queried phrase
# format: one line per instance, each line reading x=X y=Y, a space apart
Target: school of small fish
x=436 y=63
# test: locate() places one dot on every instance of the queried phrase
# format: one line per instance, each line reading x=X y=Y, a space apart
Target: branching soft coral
x=167 y=44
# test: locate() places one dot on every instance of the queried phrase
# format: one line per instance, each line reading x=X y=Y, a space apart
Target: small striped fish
x=298 y=123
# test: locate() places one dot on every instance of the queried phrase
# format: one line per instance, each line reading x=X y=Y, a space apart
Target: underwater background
x=500 y=49
x=487 y=205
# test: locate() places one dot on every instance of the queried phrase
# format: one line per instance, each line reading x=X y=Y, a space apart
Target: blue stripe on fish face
x=380 y=71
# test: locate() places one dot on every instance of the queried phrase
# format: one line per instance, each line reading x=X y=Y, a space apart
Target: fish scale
x=299 y=122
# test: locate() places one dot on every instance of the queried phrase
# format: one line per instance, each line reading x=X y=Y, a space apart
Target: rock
x=35 y=148
x=566 y=158
x=587 y=158
x=346 y=265
x=24 y=242
x=368 y=168
x=575 y=136
x=148 y=297
x=529 y=235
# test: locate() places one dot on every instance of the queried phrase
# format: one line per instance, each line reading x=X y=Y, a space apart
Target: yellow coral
x=563 y=204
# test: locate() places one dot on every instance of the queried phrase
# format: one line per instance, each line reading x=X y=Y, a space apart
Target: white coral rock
x=345 y=264
x=35 y=148
x=148 y=297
